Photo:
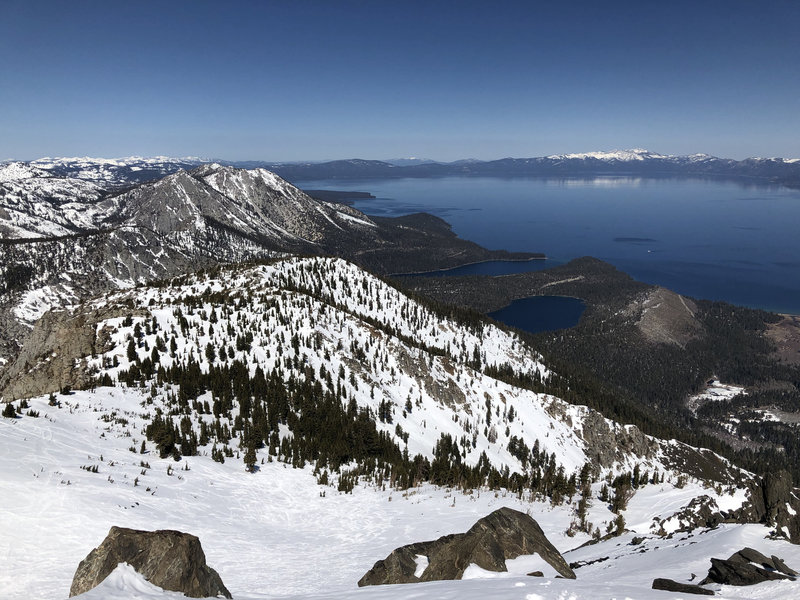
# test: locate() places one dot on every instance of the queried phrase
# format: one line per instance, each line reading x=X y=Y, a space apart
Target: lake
x=705 y=238
x=541 y=313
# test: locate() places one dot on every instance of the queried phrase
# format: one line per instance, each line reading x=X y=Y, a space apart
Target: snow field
x=276 y=533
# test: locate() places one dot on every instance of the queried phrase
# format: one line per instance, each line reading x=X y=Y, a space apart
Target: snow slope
x=277 y=533
x=379 y=346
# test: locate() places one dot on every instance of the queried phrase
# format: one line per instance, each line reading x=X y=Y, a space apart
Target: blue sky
x=302 y=80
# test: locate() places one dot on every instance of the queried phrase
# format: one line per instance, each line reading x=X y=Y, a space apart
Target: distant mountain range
x=636 y=162
x=127 y=171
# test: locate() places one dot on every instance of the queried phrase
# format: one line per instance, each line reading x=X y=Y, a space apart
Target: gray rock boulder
x=172 y=560
x=503 y=534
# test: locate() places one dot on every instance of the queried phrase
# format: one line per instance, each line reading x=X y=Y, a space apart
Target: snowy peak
x=116 y=172
x=256 y=204
x=635 y=154
x=17 y=171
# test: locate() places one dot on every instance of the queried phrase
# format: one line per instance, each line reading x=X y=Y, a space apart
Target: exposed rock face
x=169 y=559
x=702 y=511
x=668 y=585
x=504 y=534
x=54 y=356
x=772 y=501
x=749 y=555
x=605 y=446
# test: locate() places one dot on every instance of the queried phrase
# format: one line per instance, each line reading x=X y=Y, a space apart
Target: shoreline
x=477 y=262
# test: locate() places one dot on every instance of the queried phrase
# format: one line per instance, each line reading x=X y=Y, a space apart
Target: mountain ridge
x=66 y=238
x=122 y=171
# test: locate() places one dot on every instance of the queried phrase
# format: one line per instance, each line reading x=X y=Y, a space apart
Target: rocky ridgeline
x=389 y=353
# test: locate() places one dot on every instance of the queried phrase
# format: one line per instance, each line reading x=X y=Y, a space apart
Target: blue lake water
x=541 y=313
x=704 y=238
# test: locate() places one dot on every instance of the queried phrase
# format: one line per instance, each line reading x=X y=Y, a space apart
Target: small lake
x=541 y=313
x=704 y=238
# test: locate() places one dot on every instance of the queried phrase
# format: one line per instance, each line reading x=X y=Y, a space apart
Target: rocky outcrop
x=772 y=501
x=171 y=560
x=731 y=572
x=668 y=585
x=504 y=534
x=747 y=567
x=701 y=512
x=606 y=446
x=749 y=555
x=54 y=356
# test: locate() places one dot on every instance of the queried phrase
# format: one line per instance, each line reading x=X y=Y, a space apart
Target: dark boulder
x=749 y=555
x=172 y=560
x=504 y=534
x=735 y=572
x=668 y=585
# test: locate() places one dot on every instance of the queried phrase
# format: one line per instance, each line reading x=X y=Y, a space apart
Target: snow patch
x=422 y=564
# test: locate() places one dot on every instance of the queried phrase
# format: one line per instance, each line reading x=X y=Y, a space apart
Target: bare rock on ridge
x=503 y=534
x=172 y=560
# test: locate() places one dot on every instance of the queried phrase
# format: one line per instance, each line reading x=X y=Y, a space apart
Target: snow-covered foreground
x=277 y=533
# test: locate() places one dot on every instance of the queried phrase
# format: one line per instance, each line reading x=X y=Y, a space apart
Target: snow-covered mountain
x=637 y=161
x=637 y=154
x=35 y=203
x=66 y=238
x=354 y=399
x=117 y=172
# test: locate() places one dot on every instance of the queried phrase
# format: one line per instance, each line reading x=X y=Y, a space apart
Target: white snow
x=636 y=154
x=124 y=583
x=715 y=391
x=422 y=564
x=277 y=533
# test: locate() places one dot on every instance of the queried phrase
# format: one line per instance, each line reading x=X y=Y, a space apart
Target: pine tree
x=250 y=458
x=131 y=352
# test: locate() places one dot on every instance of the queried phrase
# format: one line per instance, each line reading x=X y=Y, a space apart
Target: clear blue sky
x=303 y=80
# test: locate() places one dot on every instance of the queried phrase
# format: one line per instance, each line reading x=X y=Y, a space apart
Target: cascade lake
x=705 y=238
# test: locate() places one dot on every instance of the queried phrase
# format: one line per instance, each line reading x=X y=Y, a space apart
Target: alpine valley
x=192 y=345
